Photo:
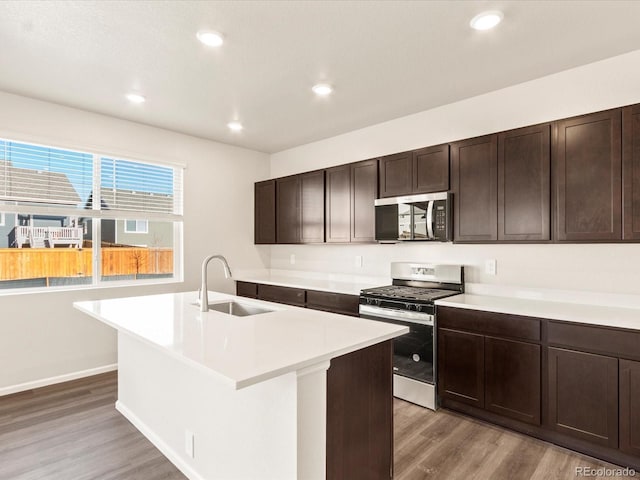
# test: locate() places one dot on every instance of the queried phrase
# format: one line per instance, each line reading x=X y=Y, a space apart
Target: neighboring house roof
x=22 y=184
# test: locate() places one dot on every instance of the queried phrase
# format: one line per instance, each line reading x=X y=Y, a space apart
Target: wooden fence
x=25 y=263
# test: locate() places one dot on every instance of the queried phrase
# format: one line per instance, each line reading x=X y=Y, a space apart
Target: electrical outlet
x=189 y=443
x=490 y=267
x=292 y=259
x=358 y=261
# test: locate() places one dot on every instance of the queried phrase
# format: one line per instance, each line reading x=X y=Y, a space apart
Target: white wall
x=611 y=268
x=41 y=335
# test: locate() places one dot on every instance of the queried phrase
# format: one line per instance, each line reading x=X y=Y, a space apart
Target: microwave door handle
x=430 y=234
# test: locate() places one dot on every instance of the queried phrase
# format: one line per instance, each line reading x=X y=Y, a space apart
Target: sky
x=78 y=167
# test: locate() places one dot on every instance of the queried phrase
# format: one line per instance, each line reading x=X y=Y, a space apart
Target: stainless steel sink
x=237 y=309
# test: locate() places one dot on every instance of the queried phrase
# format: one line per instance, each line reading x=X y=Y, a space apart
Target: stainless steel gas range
x=409 y=301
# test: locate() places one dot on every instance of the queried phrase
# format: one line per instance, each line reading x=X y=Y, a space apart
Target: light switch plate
x=292 y=259
x=358 y=261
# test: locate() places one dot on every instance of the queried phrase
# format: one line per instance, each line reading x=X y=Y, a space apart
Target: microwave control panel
x=440 y=222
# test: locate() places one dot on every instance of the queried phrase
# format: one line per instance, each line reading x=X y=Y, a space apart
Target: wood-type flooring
x=72 y=431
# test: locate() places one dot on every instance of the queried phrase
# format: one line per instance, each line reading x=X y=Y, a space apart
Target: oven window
x=413 y=353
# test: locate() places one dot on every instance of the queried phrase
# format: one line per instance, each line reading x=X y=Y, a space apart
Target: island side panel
x=241 y=434
x=360 y=414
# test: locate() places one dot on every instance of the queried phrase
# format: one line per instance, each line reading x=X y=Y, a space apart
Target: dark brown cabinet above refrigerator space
x=425 y=170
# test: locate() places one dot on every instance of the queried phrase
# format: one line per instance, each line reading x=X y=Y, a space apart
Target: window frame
x=96 y=214
x=146 y=226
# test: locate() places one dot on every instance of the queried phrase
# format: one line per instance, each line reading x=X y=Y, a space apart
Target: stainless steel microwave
x=414 y=217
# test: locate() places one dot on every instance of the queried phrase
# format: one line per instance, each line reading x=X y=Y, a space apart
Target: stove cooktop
x=408 y=293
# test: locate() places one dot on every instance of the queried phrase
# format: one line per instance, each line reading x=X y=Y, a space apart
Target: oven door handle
x=392 y=314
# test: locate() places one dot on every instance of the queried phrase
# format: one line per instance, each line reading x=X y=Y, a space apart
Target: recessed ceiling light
x=135 y=98
x=322 y=89
x=235 y=126
x=209 y=38
x=486 y=20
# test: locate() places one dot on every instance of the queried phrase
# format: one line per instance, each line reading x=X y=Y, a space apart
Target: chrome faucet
x=204 y=295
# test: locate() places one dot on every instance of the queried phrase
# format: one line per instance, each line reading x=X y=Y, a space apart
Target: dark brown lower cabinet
x=583 y=395
x=360 y=415
x=275 y=293
x=325 y=301
x=630 y=407
x=333 y=302
x=512 y=379
x=461 y=366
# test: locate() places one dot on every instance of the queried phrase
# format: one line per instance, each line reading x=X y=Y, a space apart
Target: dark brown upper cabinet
x=430 y=169
x=631 y=172
x=265 y=212
x=338 y=204
x=474 y=183
x=351 y=191
x=524 y=178
x=419 y=171
x=288 y=209
x=588 y=177
x=396 y=174
x=312 y=207
x=364 y=191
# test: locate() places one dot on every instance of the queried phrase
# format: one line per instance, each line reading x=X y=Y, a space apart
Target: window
x=136 y=226
x=73 y=221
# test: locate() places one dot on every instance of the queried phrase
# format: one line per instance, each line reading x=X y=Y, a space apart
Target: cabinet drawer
x=246 y=289
x=333 y=302
x=616 y=342
x=290 y=296
x=499 y=324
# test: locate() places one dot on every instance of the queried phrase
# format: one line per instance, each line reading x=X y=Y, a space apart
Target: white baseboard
x=59 y=379
x=165 y=449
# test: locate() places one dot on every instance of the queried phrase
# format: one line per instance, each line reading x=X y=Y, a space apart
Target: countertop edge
x=550 y=310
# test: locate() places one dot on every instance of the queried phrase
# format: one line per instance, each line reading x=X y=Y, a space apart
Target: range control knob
x=409 y=306
x=378 y=302
x=419 y=308
x=369 y=301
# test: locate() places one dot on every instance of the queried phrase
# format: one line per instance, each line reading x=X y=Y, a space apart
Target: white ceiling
x=386 y=59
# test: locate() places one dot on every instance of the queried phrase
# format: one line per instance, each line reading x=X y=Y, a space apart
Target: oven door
x=413 y=353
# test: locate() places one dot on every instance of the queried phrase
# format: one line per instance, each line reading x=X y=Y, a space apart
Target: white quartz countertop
x=571 y=312
x=345 y=284
x=240 y=351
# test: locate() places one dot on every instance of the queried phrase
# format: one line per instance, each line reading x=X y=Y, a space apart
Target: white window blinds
x=141 y=187
x=44 y=175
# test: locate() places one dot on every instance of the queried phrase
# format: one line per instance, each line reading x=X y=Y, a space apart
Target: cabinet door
x=395 y=174
x=364 y=191
x=631 y=175
x=247 y=289
x=312 y=207
x=524 y=174
x=630 y=407
x=288 y=209
x=583 y=395
x=461 y=366
x=474 y=182
x=265 y=212
x=431 y=169
x=287 y=295
x=338 y=204
x=512 y=379
x=588 y=169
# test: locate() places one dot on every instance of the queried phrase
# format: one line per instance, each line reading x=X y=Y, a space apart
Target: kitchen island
x=286 y=393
